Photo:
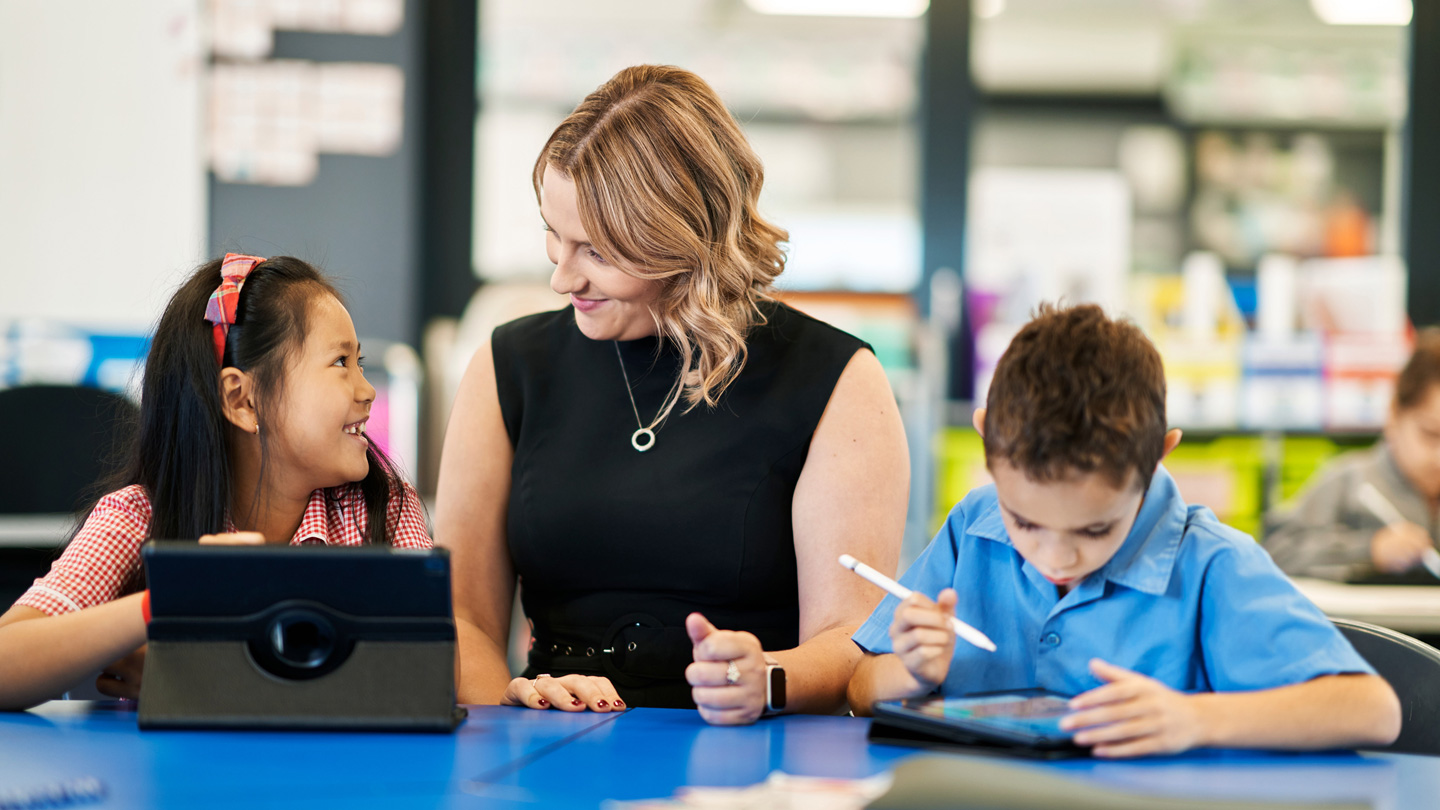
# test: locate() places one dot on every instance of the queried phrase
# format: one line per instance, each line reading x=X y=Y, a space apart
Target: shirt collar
x=313 y=525
x=1146 y=558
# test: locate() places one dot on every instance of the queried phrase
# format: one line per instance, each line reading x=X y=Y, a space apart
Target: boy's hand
x=1396 y=549
x=923 y=639
x=1132 y=715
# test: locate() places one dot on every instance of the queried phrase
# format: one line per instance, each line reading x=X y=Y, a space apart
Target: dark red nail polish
x=577 y=702
x=544 y=703
x=619 y=703
x=602 y=703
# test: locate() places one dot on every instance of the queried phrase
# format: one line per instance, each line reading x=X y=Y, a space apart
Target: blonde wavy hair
x=667 y=187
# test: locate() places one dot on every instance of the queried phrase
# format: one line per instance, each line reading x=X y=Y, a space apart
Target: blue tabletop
x=67 y=740
x=648 y=753
x=509 y=757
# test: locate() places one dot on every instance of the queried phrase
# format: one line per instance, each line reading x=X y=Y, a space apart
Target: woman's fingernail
x=619 y=703
x=602 y=703
x=543 y=703
x=577 y=702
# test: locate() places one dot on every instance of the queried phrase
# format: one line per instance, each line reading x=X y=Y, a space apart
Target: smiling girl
x=252 y=430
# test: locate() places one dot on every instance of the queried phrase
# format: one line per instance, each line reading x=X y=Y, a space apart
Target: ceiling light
x=1363 y=12
x=841 y=8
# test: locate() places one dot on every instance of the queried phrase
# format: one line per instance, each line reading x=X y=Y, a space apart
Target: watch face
x=777 y=688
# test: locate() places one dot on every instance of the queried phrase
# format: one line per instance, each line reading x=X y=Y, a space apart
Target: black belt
x=634 y=651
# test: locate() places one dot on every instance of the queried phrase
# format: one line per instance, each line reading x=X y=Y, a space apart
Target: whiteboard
x=102 y=162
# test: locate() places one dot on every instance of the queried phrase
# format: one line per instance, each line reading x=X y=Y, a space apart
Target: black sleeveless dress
x=614 y=547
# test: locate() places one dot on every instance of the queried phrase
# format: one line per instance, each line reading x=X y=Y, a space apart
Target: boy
x=1330 y=532
x=1095 y=579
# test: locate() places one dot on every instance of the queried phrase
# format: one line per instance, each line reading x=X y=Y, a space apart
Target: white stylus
x=1376 y=502
x=899 y=591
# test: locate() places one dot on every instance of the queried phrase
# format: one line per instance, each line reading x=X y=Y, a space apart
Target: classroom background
x=1249 y=180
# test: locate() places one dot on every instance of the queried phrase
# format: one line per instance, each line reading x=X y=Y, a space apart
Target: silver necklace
x=644 y=438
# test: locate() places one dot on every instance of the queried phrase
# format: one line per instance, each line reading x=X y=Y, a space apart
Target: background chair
x=1413 y=670
x=58 y=442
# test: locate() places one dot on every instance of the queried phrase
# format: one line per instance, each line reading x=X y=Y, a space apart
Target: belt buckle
x=613 y=648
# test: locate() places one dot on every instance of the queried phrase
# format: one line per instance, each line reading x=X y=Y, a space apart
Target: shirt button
x=1052 y=639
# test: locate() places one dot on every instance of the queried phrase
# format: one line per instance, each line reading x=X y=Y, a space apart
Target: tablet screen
x=1037 y=716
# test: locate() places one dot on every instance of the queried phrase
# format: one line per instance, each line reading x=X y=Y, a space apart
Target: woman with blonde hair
x=672 y=464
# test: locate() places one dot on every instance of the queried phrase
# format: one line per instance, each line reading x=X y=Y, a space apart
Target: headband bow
x=220 y=310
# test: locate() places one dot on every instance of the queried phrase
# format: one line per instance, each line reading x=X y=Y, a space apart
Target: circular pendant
x=642 y=439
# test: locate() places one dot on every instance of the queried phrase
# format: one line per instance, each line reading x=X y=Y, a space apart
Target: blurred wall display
x=1047 y=234
x=1354 y=83
x=826 y=101
x=1038 y=235
x=245 y=29
x=269 y=119
x=1262 y=192
x=40 y=352
x=317 y=150
x=1359 y=304
x=102 y=181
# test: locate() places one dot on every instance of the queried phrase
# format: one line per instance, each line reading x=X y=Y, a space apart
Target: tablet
x=1022 y=719
x=303 y=637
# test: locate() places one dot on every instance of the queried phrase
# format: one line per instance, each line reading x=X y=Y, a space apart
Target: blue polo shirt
x=1186 y=600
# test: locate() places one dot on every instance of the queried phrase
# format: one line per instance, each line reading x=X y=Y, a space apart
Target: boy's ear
x=978 y=420
x=237 y=399
x=1172 y=440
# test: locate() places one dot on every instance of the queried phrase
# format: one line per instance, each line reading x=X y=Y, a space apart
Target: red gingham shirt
x=102 y=563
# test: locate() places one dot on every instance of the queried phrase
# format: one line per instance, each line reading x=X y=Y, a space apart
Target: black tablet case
x=298 y=638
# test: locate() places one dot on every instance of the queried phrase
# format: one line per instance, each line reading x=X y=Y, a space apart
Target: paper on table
x=779 y=789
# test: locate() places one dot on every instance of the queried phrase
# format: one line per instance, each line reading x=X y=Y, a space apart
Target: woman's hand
x=1132 y=715
x=727 y=678
x=122 y=678
x=569 y=693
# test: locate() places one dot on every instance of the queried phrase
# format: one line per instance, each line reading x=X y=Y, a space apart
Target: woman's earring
x=257 y=428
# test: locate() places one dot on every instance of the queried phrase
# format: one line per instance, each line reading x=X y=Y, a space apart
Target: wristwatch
x=774 y=686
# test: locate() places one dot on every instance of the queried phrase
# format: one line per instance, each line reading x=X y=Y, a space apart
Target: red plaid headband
x=221 y=308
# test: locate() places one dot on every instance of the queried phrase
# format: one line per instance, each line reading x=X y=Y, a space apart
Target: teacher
x=671 y=465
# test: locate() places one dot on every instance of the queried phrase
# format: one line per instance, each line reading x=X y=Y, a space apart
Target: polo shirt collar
x=1145 y=560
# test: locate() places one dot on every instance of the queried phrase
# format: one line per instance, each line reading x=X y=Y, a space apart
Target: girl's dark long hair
x=179 y=453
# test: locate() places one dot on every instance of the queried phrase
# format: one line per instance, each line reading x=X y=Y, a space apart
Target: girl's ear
x=237 y=399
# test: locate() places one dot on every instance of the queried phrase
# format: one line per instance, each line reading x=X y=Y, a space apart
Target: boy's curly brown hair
x=1078 y=392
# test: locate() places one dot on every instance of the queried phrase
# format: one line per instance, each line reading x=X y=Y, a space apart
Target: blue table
x=513 y=758
x=66 y=740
